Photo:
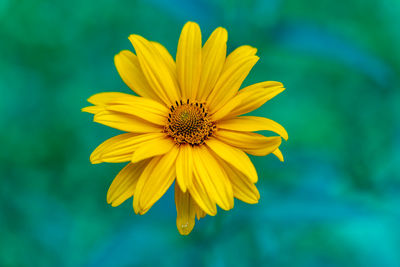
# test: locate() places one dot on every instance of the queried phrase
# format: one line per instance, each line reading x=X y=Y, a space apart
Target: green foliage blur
x=333 y=202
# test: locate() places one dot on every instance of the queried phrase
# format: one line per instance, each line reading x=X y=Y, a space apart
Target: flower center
x=189 y=123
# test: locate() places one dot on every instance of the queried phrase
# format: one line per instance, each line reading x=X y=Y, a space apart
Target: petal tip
x=96 y=161
x=109 y=200
x=185 y=230
x=135 y=204
x=286 y=137
x=133 y=36
x=223 y=32
x=252 y=201
x=191 y=24
x=252 y=49
x=90 y=99
x=95 y=158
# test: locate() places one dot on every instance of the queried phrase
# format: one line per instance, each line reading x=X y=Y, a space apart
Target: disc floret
x=189 y=123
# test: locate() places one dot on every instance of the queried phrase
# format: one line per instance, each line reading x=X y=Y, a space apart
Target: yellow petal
x=237 y=66
x=185 y=211
x=213 y=59
x=93 y=109
x=188 y=60
x=248 y=99
x=166 y=56
x=114 y=98
x=154 y=147
x=112 y=145
x=124 y=184
x=184 y=167
x=243 y=189
x=199 y=194
x=252 y=143
x=199 y=212
x=129 y=69
x=252 y=124
x=145 y=113
x=278 y=154
x=125 y=122
x=121 y=147
x=144 y=108
x=155 y=180
x=155 y=70
x=240 y=52
x=102 y=99
x=213 y=177
x=235 y=157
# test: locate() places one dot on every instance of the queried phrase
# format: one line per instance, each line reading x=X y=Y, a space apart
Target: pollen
x=189 y=123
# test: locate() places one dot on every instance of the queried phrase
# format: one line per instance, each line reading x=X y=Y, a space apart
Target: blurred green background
x=334 y=202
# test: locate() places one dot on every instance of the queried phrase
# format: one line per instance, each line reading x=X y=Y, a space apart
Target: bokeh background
x=335 y=201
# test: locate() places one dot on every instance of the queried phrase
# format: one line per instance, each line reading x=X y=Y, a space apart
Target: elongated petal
x=93 y=109
x=154 y=147
x=113 y=145
x=121 y=147
x=252 y=143
x=125 y=122
x=240 y=52
x=235 y=157
x=105 y=98
x=243 y=189
x=114 y=98
x=278 y=154
x=124 y=184
x=157 y=73
x=248 y=99
x=213 y=59
x=199 y=212
x=131 y=73
x=184 y=167
x=237 y=66
x=188 y=60
x=155 y=180
x=166 y=56
x=213 y=177
x=144 y=113
x=252 y=124
x=198 y=192
x=141 y=107
x=254 y=96
x=185 y=211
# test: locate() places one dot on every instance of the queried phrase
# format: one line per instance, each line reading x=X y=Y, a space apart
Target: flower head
x=185 y=126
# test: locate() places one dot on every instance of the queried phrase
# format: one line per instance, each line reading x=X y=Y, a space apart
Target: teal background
x=333 y=202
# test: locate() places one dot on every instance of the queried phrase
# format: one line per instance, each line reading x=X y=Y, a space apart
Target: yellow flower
x=184 y=126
